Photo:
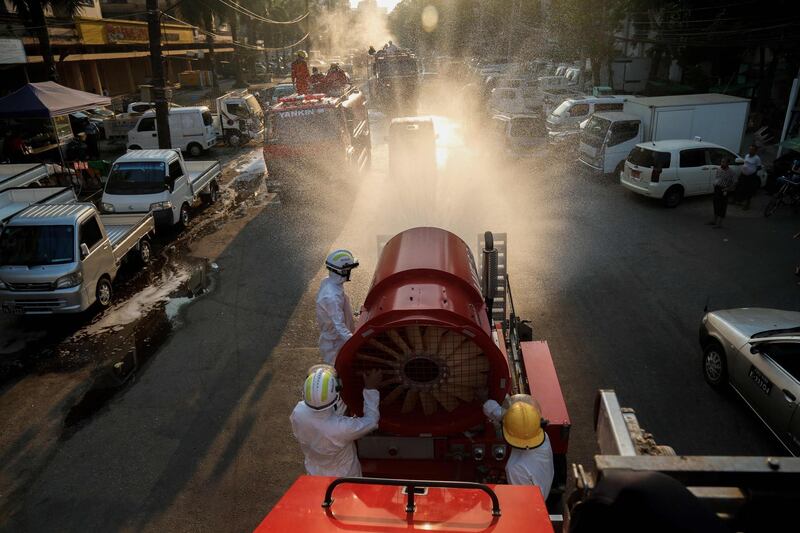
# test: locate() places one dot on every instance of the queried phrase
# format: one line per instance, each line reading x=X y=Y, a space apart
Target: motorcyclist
x=334 y=312
x=326 y=436
x=531 y=458
x=300 y=76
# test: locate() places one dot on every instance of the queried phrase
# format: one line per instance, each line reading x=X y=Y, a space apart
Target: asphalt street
x=615 y=283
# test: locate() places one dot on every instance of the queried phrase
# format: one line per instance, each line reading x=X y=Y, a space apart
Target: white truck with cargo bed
x=13 y=201
x=21 y=175
x=161 y=182
x=62 y=258
x=609 y=137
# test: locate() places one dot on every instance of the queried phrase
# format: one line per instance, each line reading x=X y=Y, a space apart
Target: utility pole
x=157 y=66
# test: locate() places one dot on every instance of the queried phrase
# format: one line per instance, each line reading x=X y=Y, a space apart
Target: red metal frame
x=374 y=509
x=545 y=388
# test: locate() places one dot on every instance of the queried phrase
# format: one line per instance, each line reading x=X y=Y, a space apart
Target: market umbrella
x=48 y=99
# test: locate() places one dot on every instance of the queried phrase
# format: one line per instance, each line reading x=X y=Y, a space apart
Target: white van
x=191 y=129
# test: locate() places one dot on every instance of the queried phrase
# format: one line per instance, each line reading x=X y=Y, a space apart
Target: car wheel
x=104 y=292
x=145 y=251
x=234 y=140
x=185 y=216
x=618 y=170
x=134 y=147
x=195 y=150
x=715 y=367
x=673 y=196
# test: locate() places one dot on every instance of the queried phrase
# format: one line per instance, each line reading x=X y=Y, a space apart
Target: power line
x=241 y=44
x=246 y=12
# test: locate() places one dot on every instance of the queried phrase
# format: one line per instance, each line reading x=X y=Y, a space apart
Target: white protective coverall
x=526 y=467
x=327 y=437
x=334 y=317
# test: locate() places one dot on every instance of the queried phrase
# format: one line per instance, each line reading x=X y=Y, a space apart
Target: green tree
x=204 y=15
x=32 y=12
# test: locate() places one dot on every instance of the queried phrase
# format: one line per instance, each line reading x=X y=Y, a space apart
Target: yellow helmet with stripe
x=321 y=389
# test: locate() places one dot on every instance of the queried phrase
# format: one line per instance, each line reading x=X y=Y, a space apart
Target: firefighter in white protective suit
x=334 y=312
x=531 y=458
x=326 y=435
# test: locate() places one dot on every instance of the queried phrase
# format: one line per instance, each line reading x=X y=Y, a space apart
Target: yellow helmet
x=303 y=54
x=522 y=426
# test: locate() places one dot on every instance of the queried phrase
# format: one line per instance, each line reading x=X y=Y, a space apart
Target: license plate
x=636 y=174
x=11 y=309
x=760 y=380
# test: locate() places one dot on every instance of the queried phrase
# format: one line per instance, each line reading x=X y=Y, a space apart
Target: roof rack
x=301 y=101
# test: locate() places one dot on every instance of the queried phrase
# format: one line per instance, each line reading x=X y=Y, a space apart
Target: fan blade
x=448 y=401
x=431 y=338
x=459 y=391
x=469 y=379
x=410 y=402
x=428 y=403
x=385 y=349
x=415 y=337
x=390 y=381
x=399 y=342
x=449 y=342
x=394 y=395
x=475 y=363
x=465 y=353
x=378 y=360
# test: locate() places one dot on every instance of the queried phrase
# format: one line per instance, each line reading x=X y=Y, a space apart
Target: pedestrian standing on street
x=531 y=458
x=724 y=183
x=326 y=436
x=749 y=180
x=92 y=133
x=334 y=312
x=300 y=75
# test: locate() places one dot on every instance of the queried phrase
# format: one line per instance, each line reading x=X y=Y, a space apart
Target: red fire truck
x=318 y=133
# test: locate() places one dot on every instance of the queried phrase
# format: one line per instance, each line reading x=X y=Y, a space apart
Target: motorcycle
x=788 y=194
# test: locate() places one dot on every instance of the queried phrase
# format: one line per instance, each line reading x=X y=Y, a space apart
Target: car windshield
x=302 y=126
x=406 y=67
x=644 y=157
x=36 y=245
x=777 y=332
x=595 y=131
x=136 y=178
x=562 y=108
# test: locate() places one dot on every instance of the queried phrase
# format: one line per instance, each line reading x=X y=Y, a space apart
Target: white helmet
x=321 y=389
x=341 y=262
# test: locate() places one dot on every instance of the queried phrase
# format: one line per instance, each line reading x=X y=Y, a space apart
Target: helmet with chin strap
x=341 y=262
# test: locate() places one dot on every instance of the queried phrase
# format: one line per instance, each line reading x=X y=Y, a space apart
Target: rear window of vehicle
x=644 y=157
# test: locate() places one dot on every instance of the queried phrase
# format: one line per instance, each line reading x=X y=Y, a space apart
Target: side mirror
x=755 y=349
x=738 y=161
x=84 y=250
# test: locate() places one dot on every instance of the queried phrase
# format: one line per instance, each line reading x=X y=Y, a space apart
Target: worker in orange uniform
x=326 y=435
x=531 y=458
x=334 y=311
x=336 y=77
x=300 y=75
x=317 y=80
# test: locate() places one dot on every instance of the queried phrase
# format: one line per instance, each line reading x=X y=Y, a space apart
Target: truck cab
x=62 y=258
x=318 y=133
x=564 y=121
x=160 y=181
x=240 y=117
x=607 y=139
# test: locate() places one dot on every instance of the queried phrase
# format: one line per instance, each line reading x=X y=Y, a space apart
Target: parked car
x=76 y=253
x=757 y=352
x=519 y=134
x=161 y=182
x=671 y=170
x=191 y=129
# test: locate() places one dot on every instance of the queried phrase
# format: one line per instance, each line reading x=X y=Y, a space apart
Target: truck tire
x=195 y=150
x=185 y=216
x=715 y=365
x=673 y=196
x=234 y=139
x=145 y=251
x=104 y=292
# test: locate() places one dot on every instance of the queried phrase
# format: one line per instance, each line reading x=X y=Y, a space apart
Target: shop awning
x=46 y=100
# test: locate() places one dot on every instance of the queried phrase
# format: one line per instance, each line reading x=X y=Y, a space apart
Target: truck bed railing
x=410 y=489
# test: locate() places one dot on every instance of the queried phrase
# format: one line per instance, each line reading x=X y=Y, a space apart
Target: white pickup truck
x=62 y=258
x=12 y=201
x=161 y=182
